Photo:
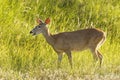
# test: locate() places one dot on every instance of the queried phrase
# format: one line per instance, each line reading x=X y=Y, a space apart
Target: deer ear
x=47 y=21
x=38 y=21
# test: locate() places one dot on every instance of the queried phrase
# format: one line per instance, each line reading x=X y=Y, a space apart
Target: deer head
x=41 y=27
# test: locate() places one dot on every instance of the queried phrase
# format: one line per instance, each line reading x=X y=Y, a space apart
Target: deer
x=66 y=42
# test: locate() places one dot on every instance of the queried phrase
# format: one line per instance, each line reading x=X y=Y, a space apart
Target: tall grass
x=21 y=52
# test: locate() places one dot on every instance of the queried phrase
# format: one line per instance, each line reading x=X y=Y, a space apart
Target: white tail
x=69 y=41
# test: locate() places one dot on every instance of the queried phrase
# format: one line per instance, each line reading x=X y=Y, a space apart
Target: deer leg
x=100 y=57
x=95 y=54
x=59 y=59
x=69 y=57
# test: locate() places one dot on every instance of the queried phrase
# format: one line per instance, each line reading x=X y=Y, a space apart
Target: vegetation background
x=24 y=57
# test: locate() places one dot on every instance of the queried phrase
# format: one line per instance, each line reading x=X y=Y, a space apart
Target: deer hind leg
x=100 y=57
x=69 y=57
x=95 y=54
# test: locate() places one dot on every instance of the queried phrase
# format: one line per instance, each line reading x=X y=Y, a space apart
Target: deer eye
x=39 y=26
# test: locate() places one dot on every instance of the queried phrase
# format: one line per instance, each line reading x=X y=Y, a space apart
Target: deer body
x=77 y=40
x=73 y=41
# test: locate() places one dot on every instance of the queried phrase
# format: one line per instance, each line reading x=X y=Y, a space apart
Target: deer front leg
x=59 y=59
x=69 y=57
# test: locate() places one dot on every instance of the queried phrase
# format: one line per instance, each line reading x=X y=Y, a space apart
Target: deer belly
x=78 y=47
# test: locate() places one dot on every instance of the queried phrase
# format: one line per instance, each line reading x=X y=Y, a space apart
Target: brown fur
x=77 y=40
x=74 y=41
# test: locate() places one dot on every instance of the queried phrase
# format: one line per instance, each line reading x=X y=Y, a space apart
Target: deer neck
x=48 y=37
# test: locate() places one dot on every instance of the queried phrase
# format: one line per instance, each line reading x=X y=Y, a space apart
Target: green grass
x=25 y=57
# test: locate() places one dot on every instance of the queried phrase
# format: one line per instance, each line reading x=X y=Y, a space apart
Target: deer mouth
x=32 y=33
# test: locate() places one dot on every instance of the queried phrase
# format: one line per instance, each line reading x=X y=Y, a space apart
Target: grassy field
x=24 y=57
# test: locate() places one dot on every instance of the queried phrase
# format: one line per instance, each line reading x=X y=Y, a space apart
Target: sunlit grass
x=23 y=56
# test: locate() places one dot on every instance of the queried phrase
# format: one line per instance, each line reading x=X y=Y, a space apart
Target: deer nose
x=31 y=32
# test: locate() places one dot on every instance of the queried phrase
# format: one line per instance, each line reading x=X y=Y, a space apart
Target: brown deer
x=79 y=40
